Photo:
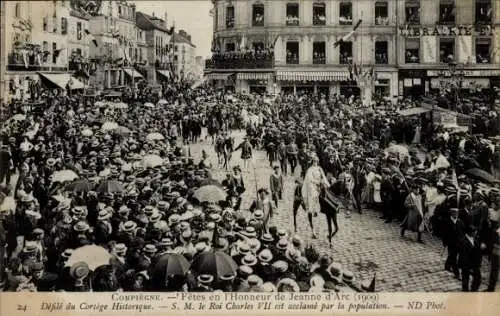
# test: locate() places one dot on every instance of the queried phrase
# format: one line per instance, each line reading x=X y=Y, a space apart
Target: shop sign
x=445 y=30
x=467 y=73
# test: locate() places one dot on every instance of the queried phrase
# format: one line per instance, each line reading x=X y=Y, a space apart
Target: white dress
x=312 y=188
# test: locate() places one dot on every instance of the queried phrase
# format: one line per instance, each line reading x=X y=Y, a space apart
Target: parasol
x=64 y=176
x=107 y=126
x=110 y=186
x=87 y=132
x=94 y=256
x=162 y=102
x=122 y=130
x=155 y=136
x=19 y=117
x=149 y=105
x=152 y=161
x=216 y=263
x=210 y=193
x=481 y=175
x=81 y=185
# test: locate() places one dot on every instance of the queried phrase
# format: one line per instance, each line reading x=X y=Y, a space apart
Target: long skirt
x=413 y=221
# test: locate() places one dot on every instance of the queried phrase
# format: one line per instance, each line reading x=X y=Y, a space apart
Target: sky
x=190 y=15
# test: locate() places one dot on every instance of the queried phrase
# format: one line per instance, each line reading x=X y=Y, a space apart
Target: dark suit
x=469 y=261
x=452 y=234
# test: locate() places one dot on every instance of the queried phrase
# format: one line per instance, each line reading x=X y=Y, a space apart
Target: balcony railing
x=240 y=61
x=258 y=22
x=319 y=60
x=345 y=20
x=412 y=59
x=319 y=20
x=345 y=60
x=381 y=20
x=16 y=63
x=292 y=20
x=381 y=59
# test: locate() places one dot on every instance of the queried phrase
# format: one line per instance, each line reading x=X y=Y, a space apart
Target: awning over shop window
x=254 y=76
x=132 y=73
x=61 y=80
x=313 y=75
x=218 y=76
x=413 y=111
x=164 y=73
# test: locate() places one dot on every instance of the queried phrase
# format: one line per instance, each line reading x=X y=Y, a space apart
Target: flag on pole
x=349 y=35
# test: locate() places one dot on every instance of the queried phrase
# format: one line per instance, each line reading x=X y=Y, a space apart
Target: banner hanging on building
x=464 y=49
x=429 y=49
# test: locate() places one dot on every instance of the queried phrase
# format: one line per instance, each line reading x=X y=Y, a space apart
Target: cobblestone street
x=364 y=244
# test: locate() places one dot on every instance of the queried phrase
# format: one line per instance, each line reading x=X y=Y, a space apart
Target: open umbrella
x=64 y=176
x=110 y=186
x=209 y=182
x=481 y=175
x=170 y=264
x=216 y=263
x=149 y=105
x=152 y=161
x=107 y=126
x=81 y=185
x=162 y=102
x=210 y=193
x=19 y=117
x=155 y=136
x=122 y=130
x=87 y=132
x=94 y=256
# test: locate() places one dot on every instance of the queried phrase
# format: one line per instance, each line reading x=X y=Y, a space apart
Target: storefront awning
x=254 y=76
x=61 y=80
x=413 y=111
x=218 y=76
x=132 y=73
x=164 y=73
x=312 y=75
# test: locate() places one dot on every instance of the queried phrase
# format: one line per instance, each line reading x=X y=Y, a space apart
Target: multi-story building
x=184 y=55
x=35 y=47
x=441 y=40
x=113 y=27
x=158 y=37
x=400 y=47
x=79 y=41
x=292 y=45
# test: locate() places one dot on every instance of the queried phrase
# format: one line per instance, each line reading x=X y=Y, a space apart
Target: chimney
x=165 y=19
